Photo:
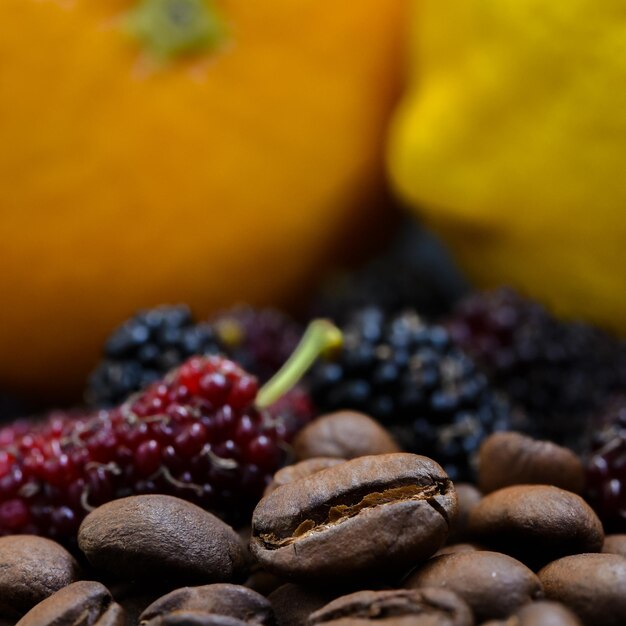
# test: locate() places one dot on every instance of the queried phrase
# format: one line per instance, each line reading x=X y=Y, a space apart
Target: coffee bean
x=468 y=497
x=436 y=607
x=300 y=470
x=263 y=582
x=86 y=603
x=31 y=569
x=514 y=459
x=222 y=599
x=156 y=536
x=453 y=548
x=615 y=544
x=536 y=523
x=345 y=434
x=294 y=603
x=366 y=518
x=194 y=618
x=591 y=585
x=546 y=613
x=493 y=584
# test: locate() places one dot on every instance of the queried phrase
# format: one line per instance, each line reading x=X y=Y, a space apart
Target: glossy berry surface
x=606 y=467
x=195 y=434
x=144 y=348
x=412 y=378
x=561 y=373
x=152 y=342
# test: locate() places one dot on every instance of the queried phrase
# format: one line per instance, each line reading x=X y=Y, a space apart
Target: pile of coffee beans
x=354 y=532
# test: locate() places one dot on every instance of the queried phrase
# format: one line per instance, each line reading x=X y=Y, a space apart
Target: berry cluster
x=195 y=434
x=606 y=466
x=146 y=346
x=411 y=377
x=561 y=373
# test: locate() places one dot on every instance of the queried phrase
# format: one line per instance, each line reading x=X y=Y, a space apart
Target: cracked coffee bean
x=346 y=435
x=510 y=458
x=300 y=470
x=536 y=523
x=368 y=518
x=222 y=599
x=31 y=569
x=157 y=536
x=591 y=585
x=434 y=607
x=84 y=603
x=493 y=584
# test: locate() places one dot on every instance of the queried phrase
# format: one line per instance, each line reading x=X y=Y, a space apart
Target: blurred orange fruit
x=129 y=178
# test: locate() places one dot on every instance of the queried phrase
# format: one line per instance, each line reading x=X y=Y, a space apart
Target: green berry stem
x=320 y=337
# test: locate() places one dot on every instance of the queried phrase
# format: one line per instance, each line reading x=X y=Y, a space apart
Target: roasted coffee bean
x=300 y=470
x=31 y=569
x=493 y=584
x=541 y=613
x=508 y=458
x=263 y=582
x=453 y=548
x=591 y=585
x=194 y=618
x=156 y=536
x=536 y=523
x=615 y=544
x=222 y=599
x=85 y=603
x=546 y=613
x=436 y=607
x=294 y=603
x=468 y=497
x=346 y=435
x=370 y=517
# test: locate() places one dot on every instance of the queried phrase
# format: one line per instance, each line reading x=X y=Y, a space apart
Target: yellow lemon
x=511 y=142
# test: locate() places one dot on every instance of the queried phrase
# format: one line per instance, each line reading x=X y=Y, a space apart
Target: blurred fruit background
x=510 y=142
x=186 y=184
x=215 y=152
x=233 y=170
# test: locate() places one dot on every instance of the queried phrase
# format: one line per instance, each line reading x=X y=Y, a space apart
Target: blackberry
x=152 y=342
x=606 y=466
x=143 y=348
x=559 y=372
x=414 y=273
x=412 y=378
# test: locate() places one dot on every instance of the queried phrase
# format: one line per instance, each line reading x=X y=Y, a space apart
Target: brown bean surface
x=436 y=607
x=31 y=569
x=366 y=518
x=84 y=603
x=300 y=470
x=536 y=523
x=345 y=434
x=493 y=584
x=510 y=458
x=220 y=598
x=615 y=544
x=591 y=585
x=157 y=536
